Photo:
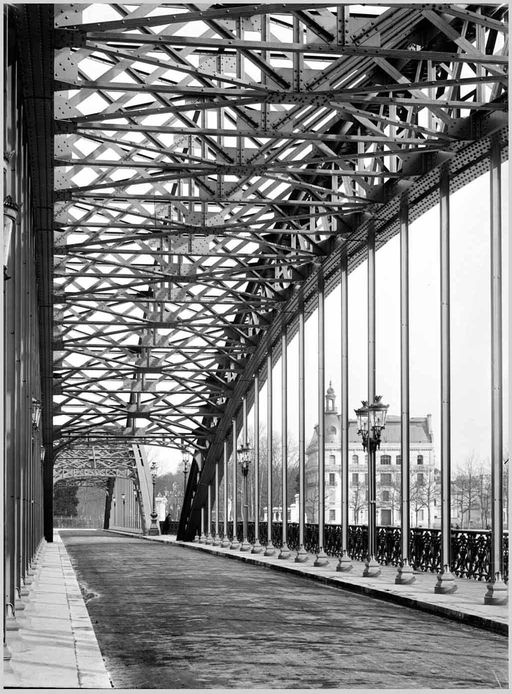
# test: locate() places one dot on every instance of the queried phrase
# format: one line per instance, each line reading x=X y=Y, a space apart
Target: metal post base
x=405 y=575
x=445 y=582
x=225 y=542
x=7 y=653
x=321 y=558
x=301 y=556
x=372 y=567
x=234 y=544
x=497 y=592
x=10 y=621
x=257 y=548
x=154 y=529
x=344 y=563
x=245 y=546
x=284 y=552
x=270 y=550
x=202 y=539
x=217 y=541
x=209 y=540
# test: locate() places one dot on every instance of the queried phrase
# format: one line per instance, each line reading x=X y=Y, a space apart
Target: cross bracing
x=208 y=163
x=95 y=464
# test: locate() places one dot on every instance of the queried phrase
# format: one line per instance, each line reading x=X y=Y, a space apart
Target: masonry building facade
x=424 y=483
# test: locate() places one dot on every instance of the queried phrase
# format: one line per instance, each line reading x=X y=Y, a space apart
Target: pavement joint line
x=466 y=611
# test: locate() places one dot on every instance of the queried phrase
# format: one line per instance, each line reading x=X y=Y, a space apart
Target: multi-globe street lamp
x=244 y=455
x=371 y=420
x=153 y=530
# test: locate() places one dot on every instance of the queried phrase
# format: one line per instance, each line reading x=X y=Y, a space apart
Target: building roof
x=420 y=431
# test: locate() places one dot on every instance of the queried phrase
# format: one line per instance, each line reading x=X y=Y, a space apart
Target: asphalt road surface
x=169 y=617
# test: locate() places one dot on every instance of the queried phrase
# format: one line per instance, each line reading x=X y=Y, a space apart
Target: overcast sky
x=470 y=332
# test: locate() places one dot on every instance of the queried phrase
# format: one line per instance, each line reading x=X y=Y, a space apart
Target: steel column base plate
x=405 y=575
x=372 y=568
x=345 y=563
x=497 y=593
x=445 y=583
x=321 y=559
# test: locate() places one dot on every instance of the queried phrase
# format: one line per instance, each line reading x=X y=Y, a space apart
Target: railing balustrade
x=471 y=549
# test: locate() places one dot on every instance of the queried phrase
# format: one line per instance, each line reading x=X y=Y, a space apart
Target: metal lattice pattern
x=94 y=464
x=208 y=160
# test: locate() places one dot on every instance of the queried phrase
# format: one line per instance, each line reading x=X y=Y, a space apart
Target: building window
x=332 y=514
x=385 y=495
x=333 y=430
x=420 y=478
x=385 y=478
x=332 y=460
x=332 y=479
x=385 y=460
x=419 y=460
x=355 y=460
x=366 y=478
x=355 y=478
x=366 y=459
x=399 y=460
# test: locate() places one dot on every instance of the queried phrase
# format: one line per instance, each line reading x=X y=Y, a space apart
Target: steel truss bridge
x=184 y=184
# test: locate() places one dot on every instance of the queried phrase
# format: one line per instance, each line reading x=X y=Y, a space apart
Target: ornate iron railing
x=470 y=549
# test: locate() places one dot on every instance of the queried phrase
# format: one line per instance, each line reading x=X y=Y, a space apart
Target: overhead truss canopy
x=208 y=158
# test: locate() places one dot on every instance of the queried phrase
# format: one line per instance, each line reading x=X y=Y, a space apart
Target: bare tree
x=465 y=490
x=358 y=495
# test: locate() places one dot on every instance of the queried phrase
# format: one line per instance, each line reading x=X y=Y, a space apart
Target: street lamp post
x=184 y=460
x=154 y=530
x=371 y=419
x=245 y=459
x=123 y=498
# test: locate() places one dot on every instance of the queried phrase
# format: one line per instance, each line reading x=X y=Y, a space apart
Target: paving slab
x=55 y=645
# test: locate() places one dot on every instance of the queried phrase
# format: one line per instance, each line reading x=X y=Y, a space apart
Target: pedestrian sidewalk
x=55 y=645
x=465 y=605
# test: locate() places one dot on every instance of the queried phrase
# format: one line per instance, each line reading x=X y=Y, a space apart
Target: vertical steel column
x=257 y=547
x=372 y=567
x=209 y=536
x=234 y=541
x=321 y=557
x=225 y=535
x=445 y=579
x=344 y=563
x=285 y=551
x=496 y=588
x=302 y=555
x=245 y=546
x=216 y=537
x=19 y=423
x=270 y=549
x=405 y=574
x=202 y=537
x=9 y=381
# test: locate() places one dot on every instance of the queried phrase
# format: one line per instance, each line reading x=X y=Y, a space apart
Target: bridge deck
x=170 y=617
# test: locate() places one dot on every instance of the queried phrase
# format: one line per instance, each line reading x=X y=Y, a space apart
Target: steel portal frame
x=208 y=167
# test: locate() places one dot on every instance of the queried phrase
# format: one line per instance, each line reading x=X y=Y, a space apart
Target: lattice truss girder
x=94 y=464
x=204 y=161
